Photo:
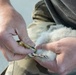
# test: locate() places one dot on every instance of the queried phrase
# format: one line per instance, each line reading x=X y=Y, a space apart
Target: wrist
x=2 y=2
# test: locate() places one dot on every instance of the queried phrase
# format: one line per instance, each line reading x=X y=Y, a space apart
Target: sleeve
x=41 y=12
x=41 y=20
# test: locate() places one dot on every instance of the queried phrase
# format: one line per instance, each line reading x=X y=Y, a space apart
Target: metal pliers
x=34 y=54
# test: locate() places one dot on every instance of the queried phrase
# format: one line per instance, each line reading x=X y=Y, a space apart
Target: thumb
x=54 y=46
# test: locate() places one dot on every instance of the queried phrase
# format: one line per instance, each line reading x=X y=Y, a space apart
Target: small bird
x=55 y=33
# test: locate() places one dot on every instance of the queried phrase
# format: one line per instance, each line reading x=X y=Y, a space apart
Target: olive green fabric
x=64 y=12
x=41 y=12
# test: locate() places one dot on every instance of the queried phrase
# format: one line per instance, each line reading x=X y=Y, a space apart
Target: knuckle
x=16 y=50
x=58 y=47
x=13 y=50
x=2 y=35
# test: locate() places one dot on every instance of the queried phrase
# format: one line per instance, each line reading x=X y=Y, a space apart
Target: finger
x=47 y=64
x=11 y=56
x=10 y=44
x=23 y=35
x=18 y=57
x=55 y=47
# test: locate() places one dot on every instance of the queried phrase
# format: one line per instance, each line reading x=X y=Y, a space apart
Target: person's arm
x=4 y=1
x=11 y=24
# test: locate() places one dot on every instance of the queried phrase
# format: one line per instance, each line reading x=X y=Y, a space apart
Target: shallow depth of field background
x=25 y=8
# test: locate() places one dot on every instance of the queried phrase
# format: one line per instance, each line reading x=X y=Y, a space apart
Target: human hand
x=11 y=24
x=65 y=61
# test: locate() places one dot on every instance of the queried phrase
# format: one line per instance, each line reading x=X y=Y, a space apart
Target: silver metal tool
x=32 y=48
x=39 y=55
